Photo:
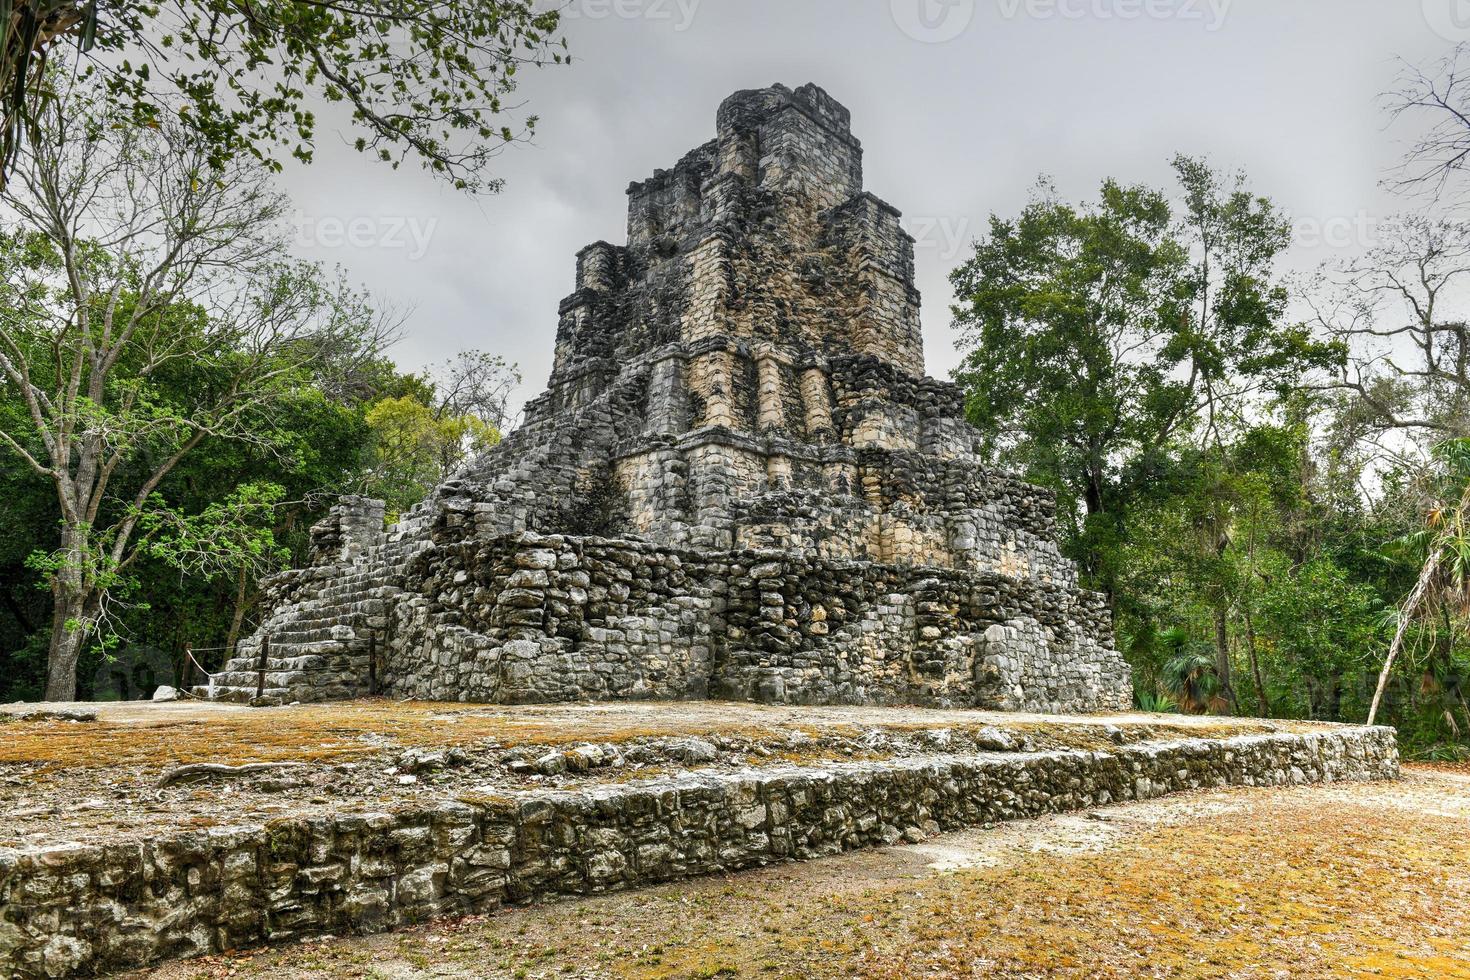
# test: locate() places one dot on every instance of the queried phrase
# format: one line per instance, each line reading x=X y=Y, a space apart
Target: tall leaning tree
x=431 y=80
x=126 y=256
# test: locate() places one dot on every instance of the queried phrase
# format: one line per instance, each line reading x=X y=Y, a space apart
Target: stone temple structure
x=738 y=484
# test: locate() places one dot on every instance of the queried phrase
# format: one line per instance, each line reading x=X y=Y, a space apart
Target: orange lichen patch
x=323 y=733
x=1095 y=737
x=1266 y=890
x=1363 y=893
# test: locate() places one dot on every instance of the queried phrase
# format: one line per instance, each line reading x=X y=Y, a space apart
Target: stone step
x=381 y=575
x=318 y=634
x=247 y=680
x=294 y=634
x=319 y=646
x=335 y=607
x=350 y=660
x=355 y=621
x=289 y=659
x=281 y=649
x=343 y=597
x=284 y=695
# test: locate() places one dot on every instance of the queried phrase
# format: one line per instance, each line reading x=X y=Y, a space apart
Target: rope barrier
x=200 y=667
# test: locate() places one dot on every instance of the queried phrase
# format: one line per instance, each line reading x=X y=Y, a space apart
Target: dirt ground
x=1336 y=880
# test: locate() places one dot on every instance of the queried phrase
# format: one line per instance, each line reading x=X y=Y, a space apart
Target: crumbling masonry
x=739 y=484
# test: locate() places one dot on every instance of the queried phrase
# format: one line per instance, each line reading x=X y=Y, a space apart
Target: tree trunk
x=1334 y=697
x=1092 y=496
x=1406 y=616
x=1222 y=661
x=1250 y=646
x=66 y=645
x=72 y=617
x=7 y=592
x=239 y=616
x=1093 y=502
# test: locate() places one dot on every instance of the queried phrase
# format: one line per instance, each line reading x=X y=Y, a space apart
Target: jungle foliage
x=1253 y=484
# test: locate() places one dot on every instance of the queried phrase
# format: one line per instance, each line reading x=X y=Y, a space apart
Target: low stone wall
x=68 y=910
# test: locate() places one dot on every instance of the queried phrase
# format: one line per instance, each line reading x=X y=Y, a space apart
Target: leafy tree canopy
x=432 y=80
x=1097 y=335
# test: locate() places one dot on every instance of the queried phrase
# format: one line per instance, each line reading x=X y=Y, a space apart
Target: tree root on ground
x=210 y=770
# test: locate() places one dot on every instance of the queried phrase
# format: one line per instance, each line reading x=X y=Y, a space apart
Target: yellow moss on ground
x=343 y=731
x=315 y=733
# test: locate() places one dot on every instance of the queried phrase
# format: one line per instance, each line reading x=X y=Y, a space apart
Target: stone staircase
x=321 y=646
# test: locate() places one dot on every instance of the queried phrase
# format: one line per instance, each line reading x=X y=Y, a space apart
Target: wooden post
x=188 y=667
x=265 y=652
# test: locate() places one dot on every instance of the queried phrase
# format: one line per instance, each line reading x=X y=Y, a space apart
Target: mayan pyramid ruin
x=738 y=485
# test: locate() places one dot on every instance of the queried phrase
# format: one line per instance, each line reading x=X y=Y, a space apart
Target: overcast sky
x=960 y=105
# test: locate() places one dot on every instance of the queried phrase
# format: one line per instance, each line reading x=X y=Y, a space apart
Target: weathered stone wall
x=74 y=909
x=353 y=526
x=809 y=631
x=530 y=618
x=542 y=619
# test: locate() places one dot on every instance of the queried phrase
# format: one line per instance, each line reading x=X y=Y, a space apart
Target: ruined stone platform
x=381 y=814
x=739 y=483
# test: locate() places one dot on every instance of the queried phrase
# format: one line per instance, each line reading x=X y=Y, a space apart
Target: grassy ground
x=1350 y=880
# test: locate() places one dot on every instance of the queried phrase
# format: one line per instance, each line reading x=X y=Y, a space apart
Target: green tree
x=1097 y=336
x=127 y=259
x=1320 y=628
x=319 y=448
x=1441 y=551
x=1064 y=314
x=423 y=79
x=422 y=436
